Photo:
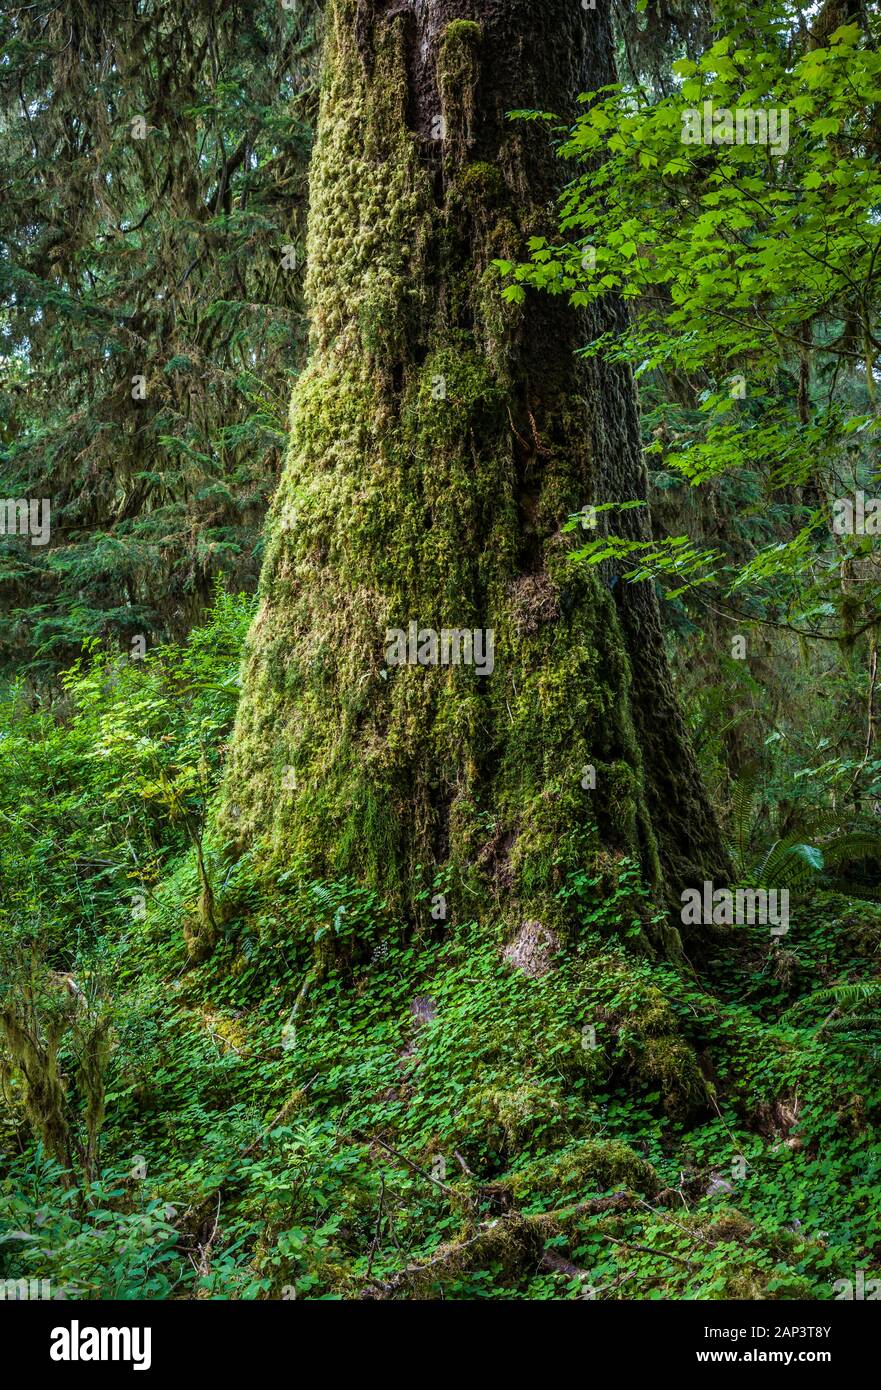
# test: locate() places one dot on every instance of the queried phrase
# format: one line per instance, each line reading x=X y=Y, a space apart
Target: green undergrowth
x=432 y=1090
x=327 y=1106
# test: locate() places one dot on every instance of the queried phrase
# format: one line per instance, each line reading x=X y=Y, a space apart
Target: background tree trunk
x=439 y=439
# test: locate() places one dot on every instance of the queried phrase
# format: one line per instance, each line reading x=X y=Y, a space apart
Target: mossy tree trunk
x=439 y=439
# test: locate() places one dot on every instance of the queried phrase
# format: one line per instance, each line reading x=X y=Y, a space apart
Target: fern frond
x=744 y=802
x=844 y=999
x=788 y=863
x=852 y=846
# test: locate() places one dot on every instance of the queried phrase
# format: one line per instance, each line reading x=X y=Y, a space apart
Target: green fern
x=788 y=863
x=853 y=1013
x=799 y=859
x=745 y=800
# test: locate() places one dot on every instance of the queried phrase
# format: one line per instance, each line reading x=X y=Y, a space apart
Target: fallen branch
x=513 y=1238
x=648 y=1250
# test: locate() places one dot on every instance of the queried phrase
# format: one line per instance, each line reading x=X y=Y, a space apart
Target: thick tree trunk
x=439 y=439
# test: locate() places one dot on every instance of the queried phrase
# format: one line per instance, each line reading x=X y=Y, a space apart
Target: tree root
x=513 y=1239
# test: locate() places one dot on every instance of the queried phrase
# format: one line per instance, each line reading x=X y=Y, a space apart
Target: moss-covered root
x=513 y=1242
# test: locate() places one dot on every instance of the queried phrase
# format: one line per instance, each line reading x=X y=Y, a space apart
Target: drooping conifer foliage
x=153 y=174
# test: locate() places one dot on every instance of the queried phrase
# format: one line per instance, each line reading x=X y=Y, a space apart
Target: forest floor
x=421 y=1116
x=435 y=1122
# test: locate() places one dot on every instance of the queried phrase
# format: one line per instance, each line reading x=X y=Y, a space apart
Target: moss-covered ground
x=425 y=1119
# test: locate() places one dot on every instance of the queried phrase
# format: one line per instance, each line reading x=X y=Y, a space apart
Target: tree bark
x=439 y=440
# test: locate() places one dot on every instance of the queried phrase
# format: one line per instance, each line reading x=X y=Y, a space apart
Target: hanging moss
x=457 y=72
x=37 y=1060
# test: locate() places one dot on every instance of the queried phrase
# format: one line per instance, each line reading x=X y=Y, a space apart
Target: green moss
x=593 y=1167
x=462 y=32
x=457 y=75
x=480 y=182
x=413 y=482
x=670 y=1064
x=518 y=1116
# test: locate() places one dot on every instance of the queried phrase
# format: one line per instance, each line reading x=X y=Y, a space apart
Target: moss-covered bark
x=439 y=439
